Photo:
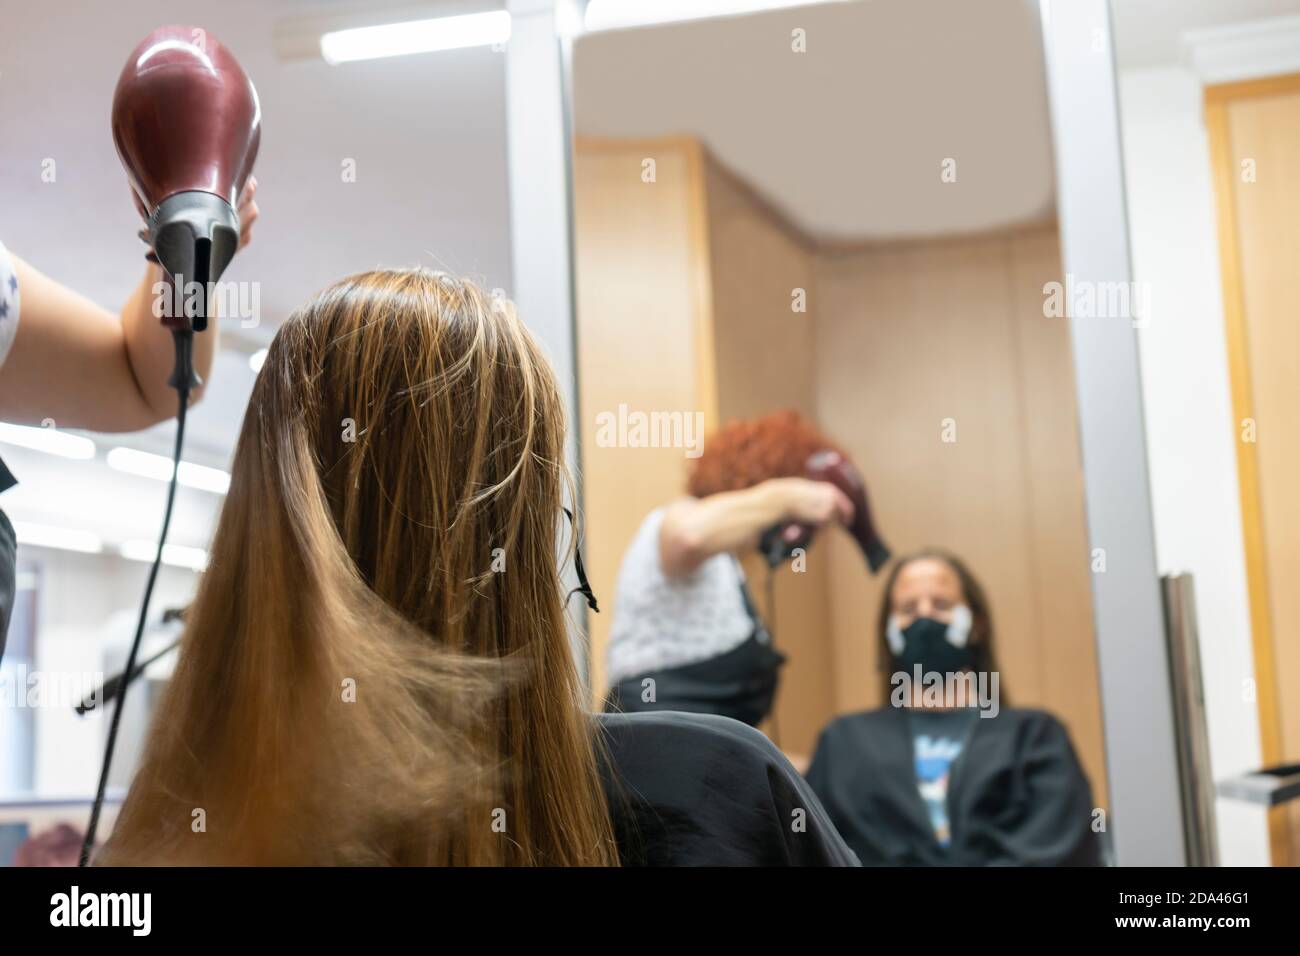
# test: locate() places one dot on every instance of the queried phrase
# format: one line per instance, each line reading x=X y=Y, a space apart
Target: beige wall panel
x=1266 y=130
x=914 y=335
x=766 y=362
x=639 y=272
x=1058 y=538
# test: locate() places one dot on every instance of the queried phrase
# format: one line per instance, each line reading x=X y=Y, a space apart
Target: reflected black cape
x=1017 y=795
x=701 y=790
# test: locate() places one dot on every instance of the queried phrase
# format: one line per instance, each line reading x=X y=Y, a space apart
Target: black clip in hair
x=584 y=586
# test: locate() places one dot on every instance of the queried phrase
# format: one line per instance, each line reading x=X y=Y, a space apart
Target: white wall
x=1189 y=422
x=86 y=614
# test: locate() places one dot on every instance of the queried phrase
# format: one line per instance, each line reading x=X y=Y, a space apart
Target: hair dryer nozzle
x=195 y=235
x=877 y=554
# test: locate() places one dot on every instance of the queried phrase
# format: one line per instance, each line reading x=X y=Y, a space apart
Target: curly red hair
x=743 y=453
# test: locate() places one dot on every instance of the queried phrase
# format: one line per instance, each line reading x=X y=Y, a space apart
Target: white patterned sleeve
x=8 y=303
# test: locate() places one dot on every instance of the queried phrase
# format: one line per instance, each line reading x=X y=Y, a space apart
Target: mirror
x=838 y=212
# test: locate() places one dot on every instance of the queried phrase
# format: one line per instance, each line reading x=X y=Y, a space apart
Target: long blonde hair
x=376 y=668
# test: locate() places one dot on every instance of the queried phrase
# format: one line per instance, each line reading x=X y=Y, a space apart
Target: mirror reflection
x=829 y=437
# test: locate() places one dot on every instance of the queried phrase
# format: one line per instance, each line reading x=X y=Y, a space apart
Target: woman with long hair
x=947 y=772
x=376 y=669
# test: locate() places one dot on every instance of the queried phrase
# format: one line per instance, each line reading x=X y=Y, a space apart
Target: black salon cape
x=701 y=790
x=1016 y=796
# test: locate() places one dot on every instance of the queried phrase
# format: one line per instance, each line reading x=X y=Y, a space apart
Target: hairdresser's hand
x=247 y=210
x=812 y=503
x=694 y=530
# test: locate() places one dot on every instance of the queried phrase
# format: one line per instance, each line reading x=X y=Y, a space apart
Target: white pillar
x=541 y=245
x=1146 y=809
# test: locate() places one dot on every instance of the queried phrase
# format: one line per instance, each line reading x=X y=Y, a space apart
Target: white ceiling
x=1149 y=32
x=847 y=138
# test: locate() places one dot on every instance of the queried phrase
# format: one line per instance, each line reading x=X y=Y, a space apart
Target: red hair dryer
x=830 y=466
x=186 y=123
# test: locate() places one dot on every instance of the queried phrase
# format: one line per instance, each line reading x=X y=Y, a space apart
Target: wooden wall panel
x=643 y=336
x=766 y=361
x=915 y=335
x=1069 y=684
x=1257 y=123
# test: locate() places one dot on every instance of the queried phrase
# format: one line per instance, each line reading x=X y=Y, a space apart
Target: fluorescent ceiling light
x=177 y=555
x=416 y=36
x=257 y=360
x=64 y=539
x=148 y=465
x=49 y=440
x=615 y=14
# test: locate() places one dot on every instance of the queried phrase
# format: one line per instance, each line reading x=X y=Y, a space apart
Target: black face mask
x=925 y=642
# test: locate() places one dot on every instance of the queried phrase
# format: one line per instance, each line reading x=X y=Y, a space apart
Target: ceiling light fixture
x=49 y=440
x=617 y=14
x=415 y=36
x=147 y=465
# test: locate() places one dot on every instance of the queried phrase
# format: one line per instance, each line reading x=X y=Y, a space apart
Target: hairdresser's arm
x=84 y=367
x=694 y=530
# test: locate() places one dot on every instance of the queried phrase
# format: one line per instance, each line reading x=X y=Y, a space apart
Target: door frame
x=1223 y=165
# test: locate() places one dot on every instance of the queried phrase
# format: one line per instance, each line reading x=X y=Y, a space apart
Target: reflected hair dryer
x=187 y=124
x=780 y=541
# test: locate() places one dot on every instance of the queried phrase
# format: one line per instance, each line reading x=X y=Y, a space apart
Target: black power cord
x=770 y=587
x=183 y=379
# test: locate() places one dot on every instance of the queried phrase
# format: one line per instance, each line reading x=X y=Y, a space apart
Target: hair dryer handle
x=781 y=540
